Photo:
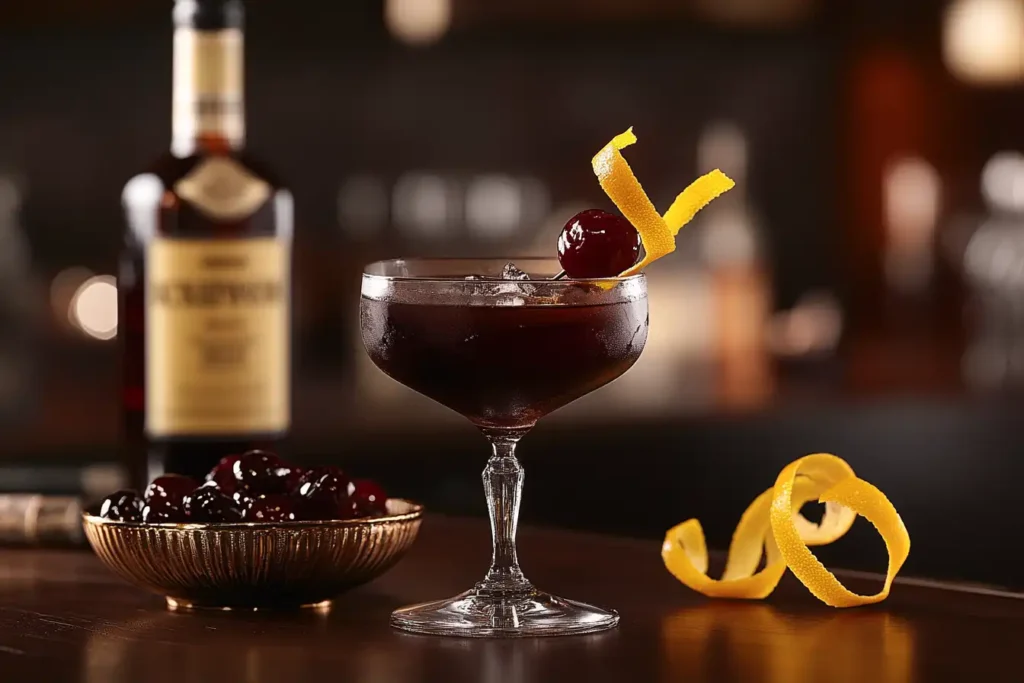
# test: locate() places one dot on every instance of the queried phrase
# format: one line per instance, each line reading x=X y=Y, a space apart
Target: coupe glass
x=502 y=353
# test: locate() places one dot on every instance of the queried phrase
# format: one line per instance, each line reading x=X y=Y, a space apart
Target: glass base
x=475 y=615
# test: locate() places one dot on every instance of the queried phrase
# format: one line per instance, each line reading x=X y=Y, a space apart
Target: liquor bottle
x=205 y=272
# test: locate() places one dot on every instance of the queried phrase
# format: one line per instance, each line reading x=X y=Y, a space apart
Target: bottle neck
x=208 y=99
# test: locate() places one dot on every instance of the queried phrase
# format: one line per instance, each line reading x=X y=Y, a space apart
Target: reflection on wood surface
x=760 y=643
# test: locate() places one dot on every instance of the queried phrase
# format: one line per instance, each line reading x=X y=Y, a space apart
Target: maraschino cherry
x=595 y=243
x=256 y=486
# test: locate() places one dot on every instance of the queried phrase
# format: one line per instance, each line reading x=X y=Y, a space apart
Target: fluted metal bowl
x=257 y=565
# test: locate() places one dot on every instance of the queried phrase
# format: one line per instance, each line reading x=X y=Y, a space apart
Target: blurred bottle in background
x=19 y=322
x=733 y=249
x=911 y=206
x=993 y=263
x=206 y=271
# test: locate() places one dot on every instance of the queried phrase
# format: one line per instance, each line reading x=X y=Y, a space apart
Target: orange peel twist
x=657 y=232
x=773 y=526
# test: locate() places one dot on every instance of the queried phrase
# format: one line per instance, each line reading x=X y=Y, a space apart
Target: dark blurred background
x=860 y=292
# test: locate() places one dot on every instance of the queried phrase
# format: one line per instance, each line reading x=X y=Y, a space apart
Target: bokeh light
x=93 y=308
x=983 y=40
x=418 y=22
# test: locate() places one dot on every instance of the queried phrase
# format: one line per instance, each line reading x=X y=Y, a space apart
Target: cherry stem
x=560 y=275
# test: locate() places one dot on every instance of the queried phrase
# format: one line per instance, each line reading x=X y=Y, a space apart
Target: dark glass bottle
x=206 y=271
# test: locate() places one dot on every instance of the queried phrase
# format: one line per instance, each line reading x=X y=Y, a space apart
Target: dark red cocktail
x=503 y=366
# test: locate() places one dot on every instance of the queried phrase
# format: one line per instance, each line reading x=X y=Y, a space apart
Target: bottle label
x=217 y=337
x=223 y=189
x=208 y=93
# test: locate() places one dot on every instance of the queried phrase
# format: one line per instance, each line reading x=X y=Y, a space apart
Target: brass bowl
x=256 y=565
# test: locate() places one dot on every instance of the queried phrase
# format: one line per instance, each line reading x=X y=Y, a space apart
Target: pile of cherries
x=257 y=486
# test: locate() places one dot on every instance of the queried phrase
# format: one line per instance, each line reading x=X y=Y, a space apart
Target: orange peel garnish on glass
x=773 y=526
x=657 y=232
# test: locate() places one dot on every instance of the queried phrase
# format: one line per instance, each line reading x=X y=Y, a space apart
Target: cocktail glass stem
x=503 y=485
x=504 y=603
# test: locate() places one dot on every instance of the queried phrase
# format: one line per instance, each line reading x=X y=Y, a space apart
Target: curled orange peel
x=657 y=232
x=773 y=527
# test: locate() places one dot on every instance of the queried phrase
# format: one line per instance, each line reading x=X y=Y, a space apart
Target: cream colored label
x=217 y=337
x=208 y=84
x=223 y=189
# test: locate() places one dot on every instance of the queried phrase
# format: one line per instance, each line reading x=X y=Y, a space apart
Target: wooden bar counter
x=64 y=617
